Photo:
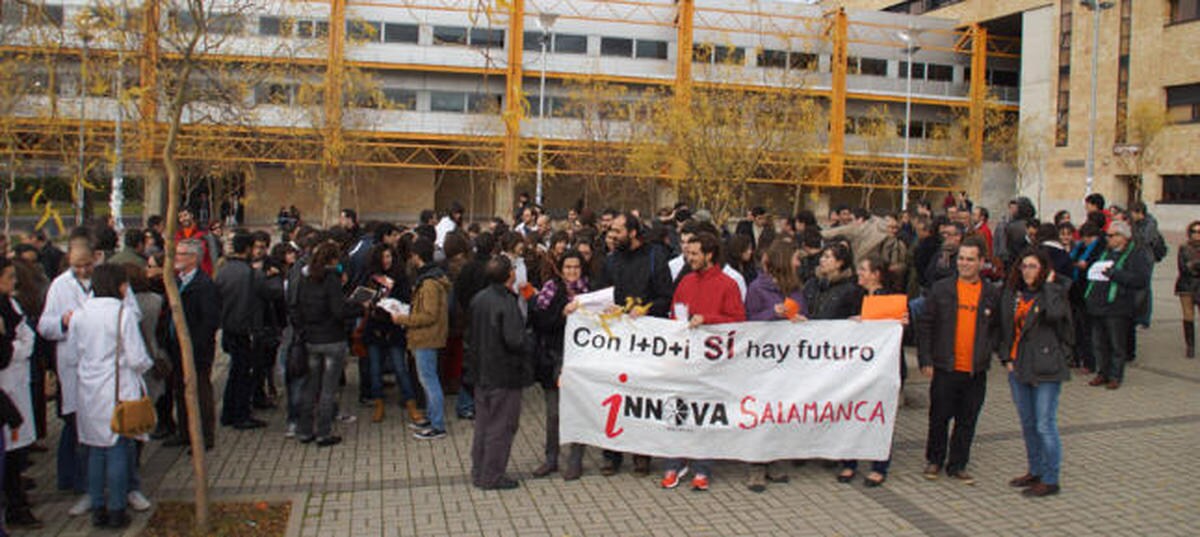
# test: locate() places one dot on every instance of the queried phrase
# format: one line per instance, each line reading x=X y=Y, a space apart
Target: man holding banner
x=956 y=335
x=704 y=296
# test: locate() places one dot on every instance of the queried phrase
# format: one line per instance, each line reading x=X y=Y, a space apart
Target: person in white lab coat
x=16 y=346
x=95 y=329
x=67 y=294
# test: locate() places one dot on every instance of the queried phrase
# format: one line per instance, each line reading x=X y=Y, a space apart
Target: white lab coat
x=14 y=380
x=66 y=293
x=93 y=339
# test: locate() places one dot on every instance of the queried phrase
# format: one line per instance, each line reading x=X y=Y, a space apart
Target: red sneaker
x=672 y=478
x=700 y=483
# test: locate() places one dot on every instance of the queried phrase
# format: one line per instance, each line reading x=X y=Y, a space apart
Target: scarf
x=1112 y=286
x=550 y=290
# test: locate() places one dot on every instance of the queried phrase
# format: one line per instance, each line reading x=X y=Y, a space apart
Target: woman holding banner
x=832 y=293
x=1036 y=334
x=549 y=314
x=873 y=278
x=774 y=295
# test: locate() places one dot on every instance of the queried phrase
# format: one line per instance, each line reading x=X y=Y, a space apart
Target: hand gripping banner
x=755 y=391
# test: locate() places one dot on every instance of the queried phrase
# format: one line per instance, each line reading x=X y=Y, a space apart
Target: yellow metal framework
x=329 y=145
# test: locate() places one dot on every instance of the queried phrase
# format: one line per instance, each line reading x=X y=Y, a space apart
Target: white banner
x=755 y=392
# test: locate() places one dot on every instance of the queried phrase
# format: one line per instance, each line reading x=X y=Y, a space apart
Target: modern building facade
x=455 y=110
x=1146 y=75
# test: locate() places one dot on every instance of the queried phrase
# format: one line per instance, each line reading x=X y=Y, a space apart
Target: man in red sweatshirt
x=704 y=296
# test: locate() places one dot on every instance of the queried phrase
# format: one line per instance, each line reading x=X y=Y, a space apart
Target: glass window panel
x=449 y=35
x=487 y=37
x=615 y=46
x=400 y=33
x=447 y=101
x=570 y=44
x=649 y=48
x=402 y=99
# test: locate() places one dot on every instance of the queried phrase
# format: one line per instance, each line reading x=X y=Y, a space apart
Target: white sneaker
x=347 y=418
x=81 y=507
x=291 y=430
x=138 y=501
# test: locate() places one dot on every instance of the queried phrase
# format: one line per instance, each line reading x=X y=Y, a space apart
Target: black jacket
x=1132 y=278
x=245 y=297
x=320 y=309
x=642 y=274
x=202 y=309
x=937 y=326
x=497 y=355
x=380 y=330
x=836 y=298
x=548 y=326
x=1047 y=336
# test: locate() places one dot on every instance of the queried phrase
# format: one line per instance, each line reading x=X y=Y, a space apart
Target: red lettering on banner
x=613 y=402
x=747 y=409
x=878 y=412
x=773 y=412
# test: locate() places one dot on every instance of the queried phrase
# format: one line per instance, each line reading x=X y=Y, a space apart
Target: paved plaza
x=1131 y=466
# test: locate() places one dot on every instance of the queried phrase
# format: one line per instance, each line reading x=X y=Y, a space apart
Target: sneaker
x=700 y=483
x=118 y=520
x=291 y=430
x=347 y=418
x=82 y=506
x=429 y=434
x=138 y=501
x=672 y=478
x=329 y=441
x=419 y=425
x=99 y=518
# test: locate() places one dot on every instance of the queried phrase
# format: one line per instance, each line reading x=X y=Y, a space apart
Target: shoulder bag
x=130 y=418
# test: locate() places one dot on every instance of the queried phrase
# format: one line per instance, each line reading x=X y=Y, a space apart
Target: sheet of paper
x=1096 y=272
x=596 y=301
x=394 y=306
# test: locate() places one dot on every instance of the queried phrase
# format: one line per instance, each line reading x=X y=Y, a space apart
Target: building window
x=270 y=26
x=866 y=66
x=449 y=35
x=1181 y=189
x=1184 y=10
x=710 y=53
x=400 y=99
x=448 y=101
x=278 y=93
x=312 y=29
x=14 y=14
x=487 y=37
x=917 y=7
x=1063 y=109
x=782 y=59
x=1183 y=103
x=651 y=49
x=615 y=46
x=370 y=31
x=570 y=44
x=400 y=33
x=1123 y=72
x=939 y=72
x=483 y=103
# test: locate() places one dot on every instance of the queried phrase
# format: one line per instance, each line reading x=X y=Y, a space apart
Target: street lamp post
x=909 y=37
x=1096 y=7
x=545 y=22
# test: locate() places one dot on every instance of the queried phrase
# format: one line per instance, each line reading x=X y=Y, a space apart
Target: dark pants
x=14 y=489
x=204 y=392
x=262 y=380
x=1110 y=341
x=72 y=458
x=958 y=396
x=551 y=396
x=1084 y=354
x=497 y=416
x=239 y=387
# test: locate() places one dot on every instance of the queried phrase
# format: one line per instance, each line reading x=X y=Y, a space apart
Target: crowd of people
x=478 y=310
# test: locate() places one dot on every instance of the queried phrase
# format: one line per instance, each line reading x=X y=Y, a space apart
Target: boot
x=1189 y=338
x=378 y=415
x=574 y=467
x=758 y=478
x=415 y=414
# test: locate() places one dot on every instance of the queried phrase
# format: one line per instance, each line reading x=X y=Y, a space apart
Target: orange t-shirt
x=1022 y=312
x=964 y=333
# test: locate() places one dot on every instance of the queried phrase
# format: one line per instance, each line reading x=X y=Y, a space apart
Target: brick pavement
x=1129 y=468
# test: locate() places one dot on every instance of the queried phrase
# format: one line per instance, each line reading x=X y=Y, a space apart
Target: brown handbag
x=130 y=418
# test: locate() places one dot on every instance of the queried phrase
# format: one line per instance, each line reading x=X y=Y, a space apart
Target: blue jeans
x=108 y=468
x=699 y=466
x=465 y=402
x=72 y=458
x=427 y=373
x=376 y=354
x=1037 y=406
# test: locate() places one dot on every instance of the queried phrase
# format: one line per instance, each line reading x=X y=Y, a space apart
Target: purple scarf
x=550 y=290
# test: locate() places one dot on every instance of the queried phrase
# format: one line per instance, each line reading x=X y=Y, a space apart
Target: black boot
x=1189 y=338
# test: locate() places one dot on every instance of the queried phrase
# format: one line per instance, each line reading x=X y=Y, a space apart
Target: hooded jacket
x=837 y=297
x=1044 y=348
x=428 y=322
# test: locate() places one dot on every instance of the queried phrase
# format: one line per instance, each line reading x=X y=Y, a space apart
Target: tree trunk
x=187 y=358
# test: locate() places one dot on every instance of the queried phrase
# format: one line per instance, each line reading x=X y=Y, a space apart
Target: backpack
x=1158 y=246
